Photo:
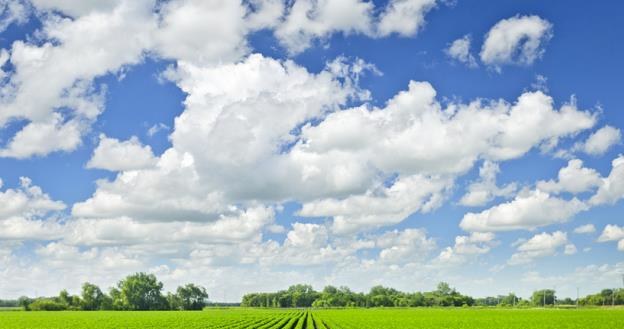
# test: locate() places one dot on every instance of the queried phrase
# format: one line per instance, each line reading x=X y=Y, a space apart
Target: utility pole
x=555 y=296
x=577 y=297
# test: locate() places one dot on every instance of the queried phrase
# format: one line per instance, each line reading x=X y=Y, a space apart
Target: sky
x=249 y=145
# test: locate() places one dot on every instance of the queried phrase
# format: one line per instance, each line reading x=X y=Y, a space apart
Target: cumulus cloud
x=398 y=247
x=310 y=19
x=466 y=247
x=612 y=188
x=516 y=40
x=114 y=155
x=485 y=190
x=529 y=210
x=540 y=245
x=202 y=31
x=613 y=233
x=600 y=141
x=573 y=178
x=585 y=229
x=404 y=17
x=12 y=12
x=58 y=73
x=380 y=207
x=23 y=213
x=459 y=50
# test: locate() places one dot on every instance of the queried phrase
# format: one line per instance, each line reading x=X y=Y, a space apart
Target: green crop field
x=321 y=319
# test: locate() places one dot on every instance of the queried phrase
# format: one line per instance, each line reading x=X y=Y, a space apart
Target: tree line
x=143 y=291
x=444 y=295
x=137 y=292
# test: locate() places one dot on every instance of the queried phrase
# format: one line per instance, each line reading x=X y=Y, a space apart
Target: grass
x=322 y=319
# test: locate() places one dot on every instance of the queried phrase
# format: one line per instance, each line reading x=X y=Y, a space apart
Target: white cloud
x=570 y=249
x=600 y=141
x=23 y=213
x=57 y=73
x=156 y=128
x=26 y=201
x=517 y=40
x=612 y=188
x=382 y=206
x=466 y=247
x=202 y=31
x=613 y=233
x=404 y=17
x=41 y=138
x=573 y=178
x=310 y=19
x=459 y=50
x=585 y=229
x=485 y=190
x=77 y=9
x=399 y=247
x=12 y=11
x=114 y=155
x=529 y=210
x=540 y=245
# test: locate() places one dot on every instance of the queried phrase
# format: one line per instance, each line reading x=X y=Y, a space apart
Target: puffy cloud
x=540 y=245
x=485 y=190
x=613 y=233
x=612 y=188
x=310 y=19
x=41 y=138
x=307 y=235
x=12 y=11
x=114 y=155
x=459 y=50
x=380 y=207
x=360 y=165
x=600 y=141
x=398 y=247
x=585 y=229
x=51 y=87
x=529 y=210
x=26 y=201
x=76 y=9
x=202 y=31
x=573 y=178
x=404 y=17
x=466 y=248
x=265 y=13
x=569 y=249
x=23 y=211
x=241 y=226
x=517 y=40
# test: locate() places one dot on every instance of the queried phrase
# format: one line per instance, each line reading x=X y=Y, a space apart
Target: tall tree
x=140 y=291
x=92 y=297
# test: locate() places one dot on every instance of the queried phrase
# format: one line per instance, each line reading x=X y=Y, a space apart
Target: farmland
x=324 y=319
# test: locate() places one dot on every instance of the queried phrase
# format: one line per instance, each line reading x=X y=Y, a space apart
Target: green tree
x=543 y=297
x=92 y=297
x=192 y=297
x=139 y=291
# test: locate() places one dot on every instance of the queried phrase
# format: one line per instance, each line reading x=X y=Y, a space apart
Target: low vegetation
x=357 y=318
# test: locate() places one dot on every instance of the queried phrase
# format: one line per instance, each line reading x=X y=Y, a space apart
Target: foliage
x=543 y=297
x=378 y=296
x=192 y=297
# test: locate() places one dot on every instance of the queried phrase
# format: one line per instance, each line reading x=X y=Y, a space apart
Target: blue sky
x=248 y=146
